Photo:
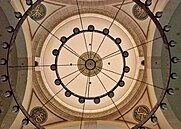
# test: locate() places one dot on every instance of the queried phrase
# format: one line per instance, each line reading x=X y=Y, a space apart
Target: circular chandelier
x=86 y=84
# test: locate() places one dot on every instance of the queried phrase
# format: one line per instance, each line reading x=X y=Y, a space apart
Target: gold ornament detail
x=39 y=115
x=90 y=64
x=139 y=13
x=38 y=13
x=141 y=112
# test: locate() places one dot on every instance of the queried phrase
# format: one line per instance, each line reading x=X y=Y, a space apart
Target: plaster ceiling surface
x=89 y=2
x=62 y=43
x=6 y=117
x=3 y=102
x=175 y=33
x=78 y=86
x=64 y=27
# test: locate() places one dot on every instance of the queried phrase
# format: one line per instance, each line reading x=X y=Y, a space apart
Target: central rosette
x=90 y=64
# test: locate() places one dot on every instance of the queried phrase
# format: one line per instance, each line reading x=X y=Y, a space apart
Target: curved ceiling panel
x=89 y=2
x=88 y=61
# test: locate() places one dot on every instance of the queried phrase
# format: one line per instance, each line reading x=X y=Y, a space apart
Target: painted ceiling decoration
x=39 y=115
x=88 y=64
x=38 y=13
x=139 y=13
x=71 y=79
x=140 y=112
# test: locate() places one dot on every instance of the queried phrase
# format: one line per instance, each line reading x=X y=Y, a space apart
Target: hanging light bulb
x=172 y=43
x=97 y=100
x=15 y=109
x=81 y=100
x=53 y=67
x=118 y=41
x=5 y=45
x=163 y=106
x=3 y=61
x=25 y=122
x=4 y=78
x=29 y=2
x=76 y=30
x=174 y=76
x=158 y=14
x=68 y=93
x=91 y=27
x=111 y=94
x=105 y=31
x=167 y=28
x=18 y=15
x=148 y=2
x=154 y=119
x=170 y=91
x=63 y=39
x=10 y=29
x=8 y=94
x=175 y=60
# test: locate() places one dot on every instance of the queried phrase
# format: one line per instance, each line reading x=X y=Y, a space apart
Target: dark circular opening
x=90 y=64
